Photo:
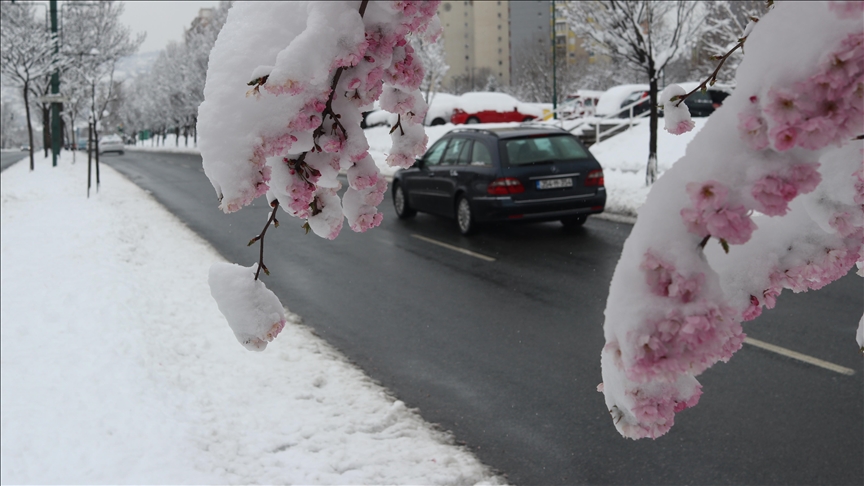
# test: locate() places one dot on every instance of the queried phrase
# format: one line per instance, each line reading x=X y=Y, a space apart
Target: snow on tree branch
x=785 y=144
x=313 y=67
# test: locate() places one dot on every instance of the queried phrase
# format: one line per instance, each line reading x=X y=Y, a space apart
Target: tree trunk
x=96 y=141
x=46 y=128
x=89 y=155
x=651 y=169
x=29 y=125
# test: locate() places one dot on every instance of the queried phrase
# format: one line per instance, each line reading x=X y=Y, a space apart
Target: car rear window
x=526 y=151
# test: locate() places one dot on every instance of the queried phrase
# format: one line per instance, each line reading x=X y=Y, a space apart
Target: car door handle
x=454 y=173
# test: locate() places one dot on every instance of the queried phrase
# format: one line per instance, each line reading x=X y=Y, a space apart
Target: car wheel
x=472 y=120
x=438 y=121
x=574 y=221
x=400 y=203
x=121 y=152
x=527 y=118
x=464 y=216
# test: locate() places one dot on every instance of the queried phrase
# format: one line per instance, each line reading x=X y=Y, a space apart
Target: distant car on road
x=111 y=143
x=503 y=174
x=25 y=148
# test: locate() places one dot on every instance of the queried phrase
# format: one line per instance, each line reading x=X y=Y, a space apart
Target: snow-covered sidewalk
x=117 y=367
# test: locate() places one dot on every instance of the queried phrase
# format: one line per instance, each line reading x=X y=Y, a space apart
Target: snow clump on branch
x=286 y=86
x=786 y=144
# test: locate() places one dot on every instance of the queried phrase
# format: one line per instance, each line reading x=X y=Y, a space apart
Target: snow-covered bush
x=786 y=144
x=313 y=68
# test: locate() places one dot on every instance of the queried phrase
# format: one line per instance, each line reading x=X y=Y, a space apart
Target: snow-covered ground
x=117 y=367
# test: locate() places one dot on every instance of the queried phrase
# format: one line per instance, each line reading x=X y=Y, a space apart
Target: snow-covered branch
x=784 y=145
x=313 y=67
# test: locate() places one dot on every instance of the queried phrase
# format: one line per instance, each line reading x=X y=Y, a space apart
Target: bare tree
x=647 y=34
x=26 y=54
x=94 y=40
x=434 y=64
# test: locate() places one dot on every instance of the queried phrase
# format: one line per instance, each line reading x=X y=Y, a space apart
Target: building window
x=500 y=63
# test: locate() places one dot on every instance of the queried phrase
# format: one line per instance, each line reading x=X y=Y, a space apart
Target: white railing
x=612 y=121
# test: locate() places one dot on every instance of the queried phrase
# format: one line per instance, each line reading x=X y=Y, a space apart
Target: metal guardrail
x=612 y=119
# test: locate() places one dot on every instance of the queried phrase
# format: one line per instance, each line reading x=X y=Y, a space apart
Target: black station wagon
x=503 y=174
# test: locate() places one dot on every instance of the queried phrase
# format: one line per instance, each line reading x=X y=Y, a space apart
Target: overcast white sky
x=162 y=21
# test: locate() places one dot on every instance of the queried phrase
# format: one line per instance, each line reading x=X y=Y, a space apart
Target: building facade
x=486 y=39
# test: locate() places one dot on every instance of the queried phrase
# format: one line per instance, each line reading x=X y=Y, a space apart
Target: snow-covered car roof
x=494 y=101
x=610 y=101
x=441 y=106
x=689 y=86
x=585 y=93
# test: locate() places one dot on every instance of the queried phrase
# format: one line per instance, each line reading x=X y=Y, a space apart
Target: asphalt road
x=505 y=353
x=9 y=158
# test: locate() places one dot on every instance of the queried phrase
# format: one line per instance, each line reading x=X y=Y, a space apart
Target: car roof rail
x=484 y=130
x=537 y=124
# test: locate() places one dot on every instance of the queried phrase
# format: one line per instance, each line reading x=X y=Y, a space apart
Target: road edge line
x=799 y=356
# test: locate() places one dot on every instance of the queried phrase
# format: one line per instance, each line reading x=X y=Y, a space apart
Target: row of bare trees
x=85 y=51
x=165 y=100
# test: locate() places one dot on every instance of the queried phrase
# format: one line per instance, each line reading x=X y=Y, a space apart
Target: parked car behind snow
x=492 y=107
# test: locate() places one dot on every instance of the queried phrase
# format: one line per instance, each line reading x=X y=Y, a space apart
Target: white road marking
x=455 y=248
x=800 y=357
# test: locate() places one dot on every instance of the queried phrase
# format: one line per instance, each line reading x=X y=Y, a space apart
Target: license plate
x=555 y=183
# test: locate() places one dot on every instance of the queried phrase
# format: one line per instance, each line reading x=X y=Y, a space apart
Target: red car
x=489 y=108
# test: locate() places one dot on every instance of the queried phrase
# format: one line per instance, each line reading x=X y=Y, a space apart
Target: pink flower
x=655 y=412
x=774 y=194
x=683 y=126
x=732 y=224
x=753 y=311
x=708 y=194
x=664 y=281
x=859 y=184
x=845 y=10
x=683 y=342
x=784 y=137
x=753 y=130
x=783 y=106
x=712 y=215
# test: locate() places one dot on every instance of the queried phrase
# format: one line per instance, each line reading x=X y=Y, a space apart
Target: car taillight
x=504 y=186
x=595 y=178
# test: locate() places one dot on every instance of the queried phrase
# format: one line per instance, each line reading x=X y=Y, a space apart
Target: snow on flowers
x=320 y=65
x=784 y=145
x=253 y=311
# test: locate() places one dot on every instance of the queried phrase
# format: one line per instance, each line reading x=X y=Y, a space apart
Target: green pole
x=554 y=66
x=55 y=90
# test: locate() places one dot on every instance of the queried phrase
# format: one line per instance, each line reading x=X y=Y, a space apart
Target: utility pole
x=554 y=66
x=55 y=91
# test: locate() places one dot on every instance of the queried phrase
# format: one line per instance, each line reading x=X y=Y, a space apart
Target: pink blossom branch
x=272 y=220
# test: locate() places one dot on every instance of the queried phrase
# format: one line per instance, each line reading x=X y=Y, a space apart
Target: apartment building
x=484 y=38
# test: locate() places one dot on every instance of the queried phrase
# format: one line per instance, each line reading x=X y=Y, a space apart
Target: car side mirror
x=418 y=162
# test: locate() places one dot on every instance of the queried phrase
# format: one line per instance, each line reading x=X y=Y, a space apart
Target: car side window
x=465 y=154
x=433 y=156
x=451 y=155
x=481 y=155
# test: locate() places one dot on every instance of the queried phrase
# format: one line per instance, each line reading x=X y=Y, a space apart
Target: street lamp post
x=55 y=90
x=554 y=66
